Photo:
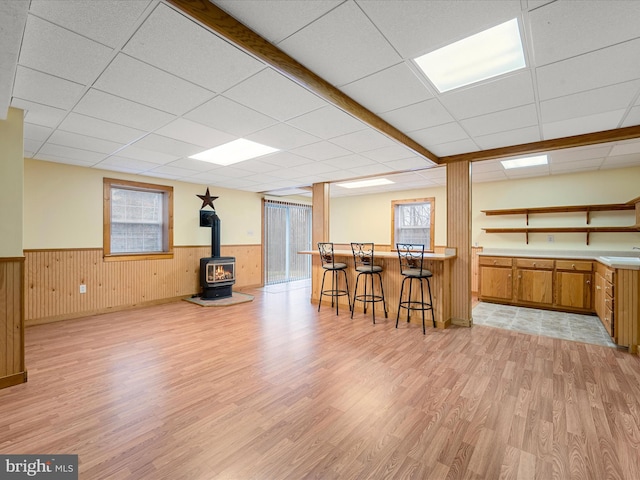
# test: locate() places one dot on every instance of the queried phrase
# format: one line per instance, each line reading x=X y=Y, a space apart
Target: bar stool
x=329 y=265
x=411 y=258
x=363 y=261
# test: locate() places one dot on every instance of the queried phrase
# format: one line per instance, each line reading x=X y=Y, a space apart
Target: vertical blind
x=287 y=230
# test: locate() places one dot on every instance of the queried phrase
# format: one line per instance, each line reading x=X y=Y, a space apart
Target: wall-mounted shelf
x=630 y=205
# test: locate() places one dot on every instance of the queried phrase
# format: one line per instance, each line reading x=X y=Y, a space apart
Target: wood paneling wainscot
x=12 y=369
x=53 y=279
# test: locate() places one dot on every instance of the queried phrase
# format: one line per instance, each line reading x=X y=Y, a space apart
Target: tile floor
x=567 y=326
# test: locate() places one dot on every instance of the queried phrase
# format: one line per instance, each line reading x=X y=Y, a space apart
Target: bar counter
x=438 y=263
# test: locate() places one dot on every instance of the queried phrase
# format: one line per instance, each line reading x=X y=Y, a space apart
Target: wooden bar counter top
x=438 y=263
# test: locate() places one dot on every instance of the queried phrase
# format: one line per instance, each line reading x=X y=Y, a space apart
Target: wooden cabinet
x=574 y=284
x=496 y=278
x=534 y=281
x=604 y=298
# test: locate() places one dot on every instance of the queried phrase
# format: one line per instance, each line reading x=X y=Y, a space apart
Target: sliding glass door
x=287 y=230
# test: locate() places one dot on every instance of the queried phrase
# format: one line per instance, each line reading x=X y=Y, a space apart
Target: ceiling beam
x=231 y=29
x=606 y=136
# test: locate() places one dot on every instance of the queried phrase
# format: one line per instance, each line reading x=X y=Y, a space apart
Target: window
x=138 y=220
x=287 y=230
x=413 y=222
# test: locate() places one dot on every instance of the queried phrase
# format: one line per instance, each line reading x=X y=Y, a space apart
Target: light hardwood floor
x=272 y=389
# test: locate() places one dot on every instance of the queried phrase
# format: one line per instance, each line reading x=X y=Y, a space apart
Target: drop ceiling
x=139 y=86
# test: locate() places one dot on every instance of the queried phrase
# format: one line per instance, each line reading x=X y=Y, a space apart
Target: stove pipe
x=215 y=235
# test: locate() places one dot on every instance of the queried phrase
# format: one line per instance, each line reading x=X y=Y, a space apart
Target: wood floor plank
x=274 y=389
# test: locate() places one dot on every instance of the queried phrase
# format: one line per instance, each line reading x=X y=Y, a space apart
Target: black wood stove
x=217 y=274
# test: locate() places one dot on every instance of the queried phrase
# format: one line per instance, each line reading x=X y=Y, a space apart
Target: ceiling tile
x=351 y=161
x=286 y=160
x=419 y=115
x=45 y=89
x=49 y=157
x=129 y=78
x=13 y=18
x=137 y=153
x=570 y=155
x=36 y=132
x=509 y=137
x=193 y=165
x=439 y=134
x=486 y=166
x=282 y=137
x=342 y=46
x=59 y=52
x=170 y=146
x=559 y=30
x=118 y=110
x=417 y=27
x=626 y=148
x=327 y=122
x=489 y=177
x=39 y=114
x=363 y=141
x=274 y=95
x=620 y=161
x=84 y=156
x=576 y=126
x=570 y=167
x=30 y=147
x=505 y=92
x=83 y=142
x=455 y=147
x=276 y=20
x=171 y=41
x=389 y=153
x=194 y=133
x=231 y=117
x=412 y=163
x=603 y=67
x=632 y=118
x=125 y=164
x=504 y=120
x=109 y=22
x=379 y=92
x=94 y=127
x=320 y=151
x=600 y=100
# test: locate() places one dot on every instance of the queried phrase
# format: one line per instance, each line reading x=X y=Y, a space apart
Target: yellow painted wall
x=11 y=184
x=596 y=187
x=367 y=218
x=63 y=208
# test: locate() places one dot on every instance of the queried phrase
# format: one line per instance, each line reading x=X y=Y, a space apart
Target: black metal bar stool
x=329 y=265
x=363 y=261
x=411 y=258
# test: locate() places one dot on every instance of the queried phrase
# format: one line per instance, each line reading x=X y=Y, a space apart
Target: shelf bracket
x=527 y=218
x=588 y=218
x=526 y=236
x=588 y=237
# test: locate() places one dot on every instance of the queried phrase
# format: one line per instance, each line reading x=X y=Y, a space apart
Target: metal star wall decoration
x=207 y=199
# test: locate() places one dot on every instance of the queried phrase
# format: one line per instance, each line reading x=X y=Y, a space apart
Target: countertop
x=349 y=253
x=614 y=259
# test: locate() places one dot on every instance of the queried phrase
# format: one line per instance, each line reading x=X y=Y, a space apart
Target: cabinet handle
x=495 y=262
x=598 y=287
x=588 y=282
x=573 y=265
x=519 y=276
x=534 y=264
x=509 y=276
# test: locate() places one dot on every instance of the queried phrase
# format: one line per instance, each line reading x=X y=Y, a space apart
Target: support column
x=12 y=368
x=320 y=233
x=459 y=237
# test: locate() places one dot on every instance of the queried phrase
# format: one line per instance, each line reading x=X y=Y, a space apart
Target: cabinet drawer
x=607 y=321
x=608 y=289
x=608 y=275
x=496 y=261
x=574 y=265
x=608 y=303
x=536 y=263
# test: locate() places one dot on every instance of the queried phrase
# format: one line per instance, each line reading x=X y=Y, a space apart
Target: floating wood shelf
x=633 y=204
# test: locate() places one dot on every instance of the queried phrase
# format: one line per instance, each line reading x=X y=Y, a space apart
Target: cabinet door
x=534 y=286
x=573 y=290
x=495 y=282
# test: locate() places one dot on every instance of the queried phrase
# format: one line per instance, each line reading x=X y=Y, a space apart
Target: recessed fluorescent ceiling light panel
x=365 y=183
x=525 y=162
x=233 y=152
x=484 y=55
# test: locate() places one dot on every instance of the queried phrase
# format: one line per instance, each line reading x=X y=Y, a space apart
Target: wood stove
x=217 y=274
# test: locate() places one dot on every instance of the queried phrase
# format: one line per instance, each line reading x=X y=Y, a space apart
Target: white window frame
x=397 y=204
